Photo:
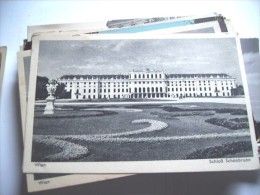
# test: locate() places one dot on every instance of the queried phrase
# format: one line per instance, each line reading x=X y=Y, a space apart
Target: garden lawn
x=182 y=120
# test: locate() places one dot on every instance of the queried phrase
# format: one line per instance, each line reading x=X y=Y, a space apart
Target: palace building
x=148 y=84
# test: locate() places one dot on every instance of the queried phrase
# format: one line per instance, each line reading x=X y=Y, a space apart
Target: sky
x=175 y=56
x=250 y=48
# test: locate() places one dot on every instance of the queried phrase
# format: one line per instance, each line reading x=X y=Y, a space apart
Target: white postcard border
x=127 y=166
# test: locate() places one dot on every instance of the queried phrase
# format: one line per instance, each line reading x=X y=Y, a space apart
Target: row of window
x=194 y=89
x=152 y=82
x=147 y=76
x=154 y=95
x=151 y=89
x=106 y=90
x=100 y=96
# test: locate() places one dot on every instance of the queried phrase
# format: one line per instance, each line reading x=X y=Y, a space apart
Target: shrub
x=234 y=124
x=232 y=111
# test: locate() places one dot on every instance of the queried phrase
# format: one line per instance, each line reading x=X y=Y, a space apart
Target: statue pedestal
x=49 y=108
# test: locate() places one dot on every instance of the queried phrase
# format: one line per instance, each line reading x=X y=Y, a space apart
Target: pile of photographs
x=110 y=99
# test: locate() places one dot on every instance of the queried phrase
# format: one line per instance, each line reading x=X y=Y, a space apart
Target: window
x=89 y=90
x=135 y=76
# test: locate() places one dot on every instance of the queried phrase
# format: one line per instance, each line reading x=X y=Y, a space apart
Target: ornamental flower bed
x=234 y=124
x=68 y=150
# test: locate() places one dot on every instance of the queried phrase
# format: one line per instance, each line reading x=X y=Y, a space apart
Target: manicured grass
x=58 y=150
x=75 y=114
x=222 y=150
x=96 y=120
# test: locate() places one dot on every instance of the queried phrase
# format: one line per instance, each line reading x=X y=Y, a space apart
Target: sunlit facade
x=149 y=85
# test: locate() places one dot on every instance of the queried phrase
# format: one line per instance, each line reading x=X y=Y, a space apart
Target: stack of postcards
x=110 y=99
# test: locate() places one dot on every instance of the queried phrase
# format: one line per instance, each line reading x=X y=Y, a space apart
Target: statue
x=51 y=88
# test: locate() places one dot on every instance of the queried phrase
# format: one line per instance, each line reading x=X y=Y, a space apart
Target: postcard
x=182 y=24
x=148 y=23
x=39 y=182
x=179 y=103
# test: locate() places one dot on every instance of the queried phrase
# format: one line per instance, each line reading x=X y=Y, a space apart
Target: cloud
x=252 y=62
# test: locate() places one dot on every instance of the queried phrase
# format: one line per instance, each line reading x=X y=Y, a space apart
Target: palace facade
x=148 y=84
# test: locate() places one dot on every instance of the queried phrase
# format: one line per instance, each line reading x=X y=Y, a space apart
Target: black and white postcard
x=41 y=181
x=138 y=104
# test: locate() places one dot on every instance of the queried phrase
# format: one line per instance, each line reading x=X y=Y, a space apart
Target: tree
x=41 y=90
x=61 y=93
x=239 y=90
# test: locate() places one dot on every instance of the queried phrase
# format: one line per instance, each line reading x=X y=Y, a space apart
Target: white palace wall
x=148 y=84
